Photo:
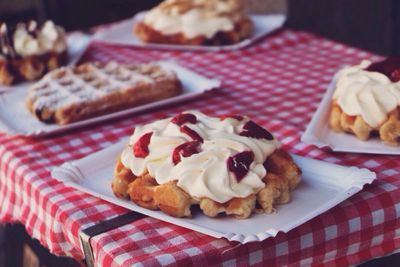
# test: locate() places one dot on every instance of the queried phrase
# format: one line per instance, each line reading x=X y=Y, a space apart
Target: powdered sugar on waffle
x=91 y=81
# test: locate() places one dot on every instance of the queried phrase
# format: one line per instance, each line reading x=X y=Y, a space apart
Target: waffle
x=70 y=94
x=282 y=176
x=144 y=191
x=389 y=130
x=18 y=64
x=232 y=11
x=148 y=34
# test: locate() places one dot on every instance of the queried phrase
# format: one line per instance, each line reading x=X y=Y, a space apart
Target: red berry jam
x=236 y=117
x=252 y=129
x=193 y=134
x=395 y=76
x=141 y=147
x=389 y=67
x=183 y=118
x=239 y=164
x=185 y=150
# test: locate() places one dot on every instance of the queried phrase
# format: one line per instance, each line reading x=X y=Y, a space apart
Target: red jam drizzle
x=230 y=116
x=251 y=129
x=239 y=164
x=193 y=134
x=389 y=67
x=141 y=147
x=183 y=118
x=185 y=150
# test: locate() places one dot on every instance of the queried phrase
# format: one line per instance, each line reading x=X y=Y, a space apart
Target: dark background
x=370 y=24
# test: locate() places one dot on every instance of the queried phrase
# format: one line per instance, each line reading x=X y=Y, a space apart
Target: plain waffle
x=70 y=94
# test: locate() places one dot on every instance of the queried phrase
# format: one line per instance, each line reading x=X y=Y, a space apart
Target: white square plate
x=320 y=134
x=16 y=119
x=122 y=34
x=77 y=43
x=323 y=186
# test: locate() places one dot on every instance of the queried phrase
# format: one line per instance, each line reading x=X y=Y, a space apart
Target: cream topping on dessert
x=208 y=157
x=369 y=94
x=53 y=37
x=194 y=18
x=29 y=39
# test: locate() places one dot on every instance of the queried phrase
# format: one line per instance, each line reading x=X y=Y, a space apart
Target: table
x=278 y=82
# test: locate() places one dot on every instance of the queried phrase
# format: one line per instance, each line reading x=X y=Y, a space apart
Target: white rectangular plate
x=77 y=43
x=122 y=34
x=320 y=134
x=323 y=186
x=16 y=119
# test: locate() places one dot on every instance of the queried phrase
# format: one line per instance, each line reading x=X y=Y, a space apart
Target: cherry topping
x=236 y=117
x=194 y=135
x=183 y=118
x=141 y=147
x=389 y=67
x=252 y=129
x=185 y=150
x=395 y=76
x=239 y=164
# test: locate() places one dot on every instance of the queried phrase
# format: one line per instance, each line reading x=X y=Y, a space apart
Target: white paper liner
x=323 y=186
x=16 y=119
x=320 y=134
x=122 y=34
x=77 y=43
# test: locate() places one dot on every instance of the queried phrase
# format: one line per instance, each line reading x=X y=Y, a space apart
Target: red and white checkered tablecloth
x=279 y=82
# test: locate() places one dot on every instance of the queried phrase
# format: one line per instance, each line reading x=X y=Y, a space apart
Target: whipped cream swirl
x=368 y=94
x=193 y=18
x=31 y=40
x=206 y=173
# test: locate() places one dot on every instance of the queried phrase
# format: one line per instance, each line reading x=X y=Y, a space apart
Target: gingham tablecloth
x=279 y=82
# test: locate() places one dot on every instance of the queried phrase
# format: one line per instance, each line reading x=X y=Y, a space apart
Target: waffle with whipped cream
x=195 y=22
x=69 y=94
x=366 y=101
x=227 y=165
x=28 y=51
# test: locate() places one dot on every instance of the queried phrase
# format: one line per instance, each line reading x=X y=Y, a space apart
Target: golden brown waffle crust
x=283 y=176
x=30 y=68
x=388 y=131
x=242 y=30
x=71 y=94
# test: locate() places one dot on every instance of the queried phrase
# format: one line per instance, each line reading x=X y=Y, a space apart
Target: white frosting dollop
x=206 y=173
x=201 y=19
x=52 y=37
x=370 y=95
x=48 y=38
x=26 y=44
